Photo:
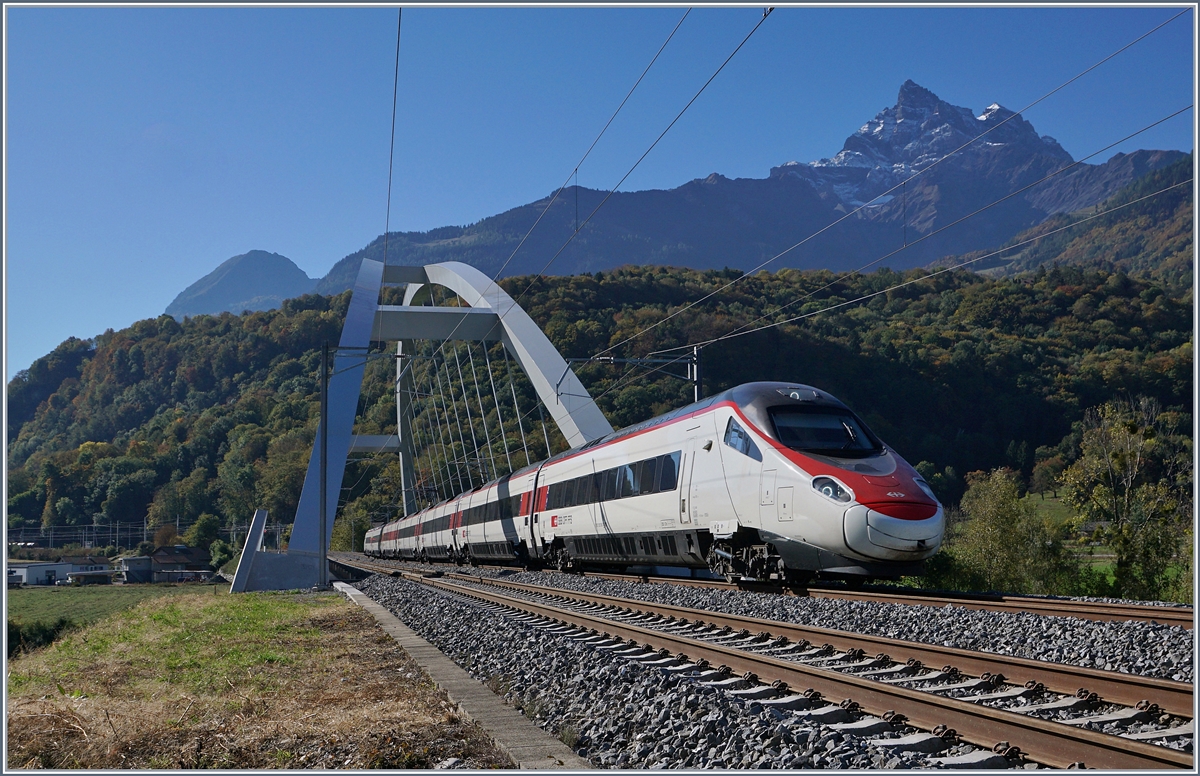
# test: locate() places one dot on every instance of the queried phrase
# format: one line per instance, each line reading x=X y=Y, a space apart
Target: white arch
x=568 y=402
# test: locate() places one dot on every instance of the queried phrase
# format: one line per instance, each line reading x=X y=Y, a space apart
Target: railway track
x=1181 y=616
x=838 y=666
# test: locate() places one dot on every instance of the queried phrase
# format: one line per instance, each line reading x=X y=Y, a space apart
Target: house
x=43 y=573
x=180 y=564
x=88 y=570
x=136 y=568
x=53 y=572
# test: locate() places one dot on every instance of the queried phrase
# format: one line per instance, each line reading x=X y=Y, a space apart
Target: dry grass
x=254 y=681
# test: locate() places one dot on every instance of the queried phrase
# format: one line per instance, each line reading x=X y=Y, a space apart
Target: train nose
x=876 y=535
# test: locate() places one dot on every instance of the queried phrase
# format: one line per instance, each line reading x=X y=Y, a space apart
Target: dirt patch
x=330 y=690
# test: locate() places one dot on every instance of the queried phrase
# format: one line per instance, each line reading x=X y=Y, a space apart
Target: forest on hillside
x=961 y=371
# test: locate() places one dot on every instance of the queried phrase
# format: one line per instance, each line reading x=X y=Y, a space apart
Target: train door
x=457 y=540
x=742 y=461
x=685 y=478
x=707 y=496
x=528 y=518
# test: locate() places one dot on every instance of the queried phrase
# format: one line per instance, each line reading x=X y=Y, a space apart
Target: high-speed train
x=768 y=481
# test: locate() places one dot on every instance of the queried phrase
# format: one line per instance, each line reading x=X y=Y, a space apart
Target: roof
x=181 y=554
x=86 y=560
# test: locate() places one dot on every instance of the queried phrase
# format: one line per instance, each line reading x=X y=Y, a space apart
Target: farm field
x=84 y=604
x=190 y=679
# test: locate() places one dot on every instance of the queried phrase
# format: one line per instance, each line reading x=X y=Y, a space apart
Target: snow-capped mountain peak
x=913 y=134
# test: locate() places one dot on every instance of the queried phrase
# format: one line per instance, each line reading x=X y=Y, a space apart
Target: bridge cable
x=487 y=434
x=897 y=186
x=462 y=442
x=496 y=400
x=516 y=407
x=452 y=474
x=470 y=420
x=440 y=362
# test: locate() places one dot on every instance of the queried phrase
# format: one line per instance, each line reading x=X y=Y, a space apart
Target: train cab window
x=668 y=471
x=825 y=431
x=737 y=438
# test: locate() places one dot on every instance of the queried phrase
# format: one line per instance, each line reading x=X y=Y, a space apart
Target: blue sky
x=144 y=146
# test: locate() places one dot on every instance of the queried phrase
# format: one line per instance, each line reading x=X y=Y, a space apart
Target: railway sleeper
x=1062 y=704
x=925 y=743
x=1011 y=693
x=1122 y=716
x=1187 y=729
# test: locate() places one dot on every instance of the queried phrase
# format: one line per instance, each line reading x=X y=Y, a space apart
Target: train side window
x=737 y=438
x=668 y=471
x=625 y=484
x=608 y=484
x=583 y=490
x=647 y=470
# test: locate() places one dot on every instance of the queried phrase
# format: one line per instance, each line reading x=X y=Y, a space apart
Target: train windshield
x=824 y=431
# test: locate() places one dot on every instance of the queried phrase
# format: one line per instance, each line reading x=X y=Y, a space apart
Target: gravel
x=618 y=713
x=1160 y=651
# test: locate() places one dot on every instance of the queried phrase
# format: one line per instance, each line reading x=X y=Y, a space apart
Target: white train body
x=765 y=480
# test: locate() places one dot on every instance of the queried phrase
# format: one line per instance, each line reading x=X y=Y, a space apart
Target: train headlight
x=831 y=488
x=923 y=485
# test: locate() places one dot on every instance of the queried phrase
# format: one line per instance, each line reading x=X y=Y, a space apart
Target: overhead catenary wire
x=575 y=171
x=924 y=278
x=641 y=158
x=387 y=222
x=935 y=232
x=924 y=170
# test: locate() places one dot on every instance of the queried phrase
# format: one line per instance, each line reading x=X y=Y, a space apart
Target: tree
x=1134 y=478
x=1045 y=476
x=166 y=536
x=203 y=532
x=1005 y=545
x=220 y=553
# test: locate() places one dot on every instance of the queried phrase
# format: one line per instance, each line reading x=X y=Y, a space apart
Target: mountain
x=1144 y=230
x=257 y=280
x=716 y=222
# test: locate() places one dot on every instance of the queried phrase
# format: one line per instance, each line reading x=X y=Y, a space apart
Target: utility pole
x=697 y=386
x=322 y=551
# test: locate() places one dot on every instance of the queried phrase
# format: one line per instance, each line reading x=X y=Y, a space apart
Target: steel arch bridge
x=490 y=316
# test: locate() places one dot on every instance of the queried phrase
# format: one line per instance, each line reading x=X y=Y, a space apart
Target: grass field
x=84 y=604
x=1050 y=507
x=263 y=680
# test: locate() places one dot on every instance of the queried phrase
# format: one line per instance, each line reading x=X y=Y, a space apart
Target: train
x=766 y=481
